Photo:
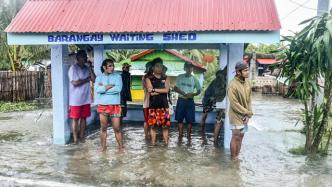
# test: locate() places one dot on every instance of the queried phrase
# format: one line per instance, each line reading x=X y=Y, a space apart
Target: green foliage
x=13 y=56
x=301 y=151
x=309 y=60
x=19 y=106
x=262 y=48
x=120 y=54
x=197 y=55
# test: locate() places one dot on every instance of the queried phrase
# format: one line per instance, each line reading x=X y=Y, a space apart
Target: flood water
x=28 y=158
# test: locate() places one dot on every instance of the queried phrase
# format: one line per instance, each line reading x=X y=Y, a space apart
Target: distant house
x=40 y=66
x=172 y=59
x=262 y=62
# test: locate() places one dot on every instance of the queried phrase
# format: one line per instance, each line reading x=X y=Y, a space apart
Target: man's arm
x=80 y=82
x=114 y=89
x=178 y=90
x=74 y=79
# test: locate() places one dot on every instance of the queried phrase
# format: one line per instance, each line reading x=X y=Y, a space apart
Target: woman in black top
x=158 y=87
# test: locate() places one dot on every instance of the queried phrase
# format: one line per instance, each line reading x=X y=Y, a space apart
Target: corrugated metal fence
x=25 y=85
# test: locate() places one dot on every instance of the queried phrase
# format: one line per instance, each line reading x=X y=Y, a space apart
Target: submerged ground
x=28 y=158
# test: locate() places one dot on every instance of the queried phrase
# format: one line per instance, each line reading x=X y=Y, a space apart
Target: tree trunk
x=10 y=57
x=328 y=142
x=326 y=110
x=307 y=124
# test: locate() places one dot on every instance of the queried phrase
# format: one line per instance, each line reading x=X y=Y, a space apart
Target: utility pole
x=322 y=7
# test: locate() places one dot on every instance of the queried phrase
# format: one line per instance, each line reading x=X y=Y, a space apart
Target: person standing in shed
x=239 y=94
x=80 y=74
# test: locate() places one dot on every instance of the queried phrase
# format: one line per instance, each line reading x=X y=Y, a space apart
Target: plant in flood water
x=19 y=106
x=308 y=61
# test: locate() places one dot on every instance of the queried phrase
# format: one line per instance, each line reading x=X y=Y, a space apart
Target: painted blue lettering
x=182 y=36
x=100 y=37
x=132 y=37
x=167 y=37
x=57 y=39
x=141 y=37
x=192 y=36
x=149 y=37
x=175 y=36
x=79 y=38
x=93 y=37
x=50 y=38
x=72 y=38
x=123 y=37
x=64 y=38
x=86 y=37
x=115 y=37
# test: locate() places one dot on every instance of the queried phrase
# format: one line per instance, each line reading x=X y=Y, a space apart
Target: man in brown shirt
x=239 y=94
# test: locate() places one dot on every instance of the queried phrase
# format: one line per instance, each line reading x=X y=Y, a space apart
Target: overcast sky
x=292 y=12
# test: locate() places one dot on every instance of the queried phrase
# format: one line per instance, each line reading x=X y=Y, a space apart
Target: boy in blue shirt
x=188 y=87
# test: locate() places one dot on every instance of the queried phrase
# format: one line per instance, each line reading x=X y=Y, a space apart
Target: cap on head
x=241 y=66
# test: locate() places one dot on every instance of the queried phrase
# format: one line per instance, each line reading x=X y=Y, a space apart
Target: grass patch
x=18 y=106
x=301 y=151
x=297 y=151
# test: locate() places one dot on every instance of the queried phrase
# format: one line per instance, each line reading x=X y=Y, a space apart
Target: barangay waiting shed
x=140 y=24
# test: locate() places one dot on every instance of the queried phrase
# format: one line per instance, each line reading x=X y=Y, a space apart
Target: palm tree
x=120 y=54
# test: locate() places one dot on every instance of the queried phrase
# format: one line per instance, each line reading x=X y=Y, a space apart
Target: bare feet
x=102 y=149
x=82 y=140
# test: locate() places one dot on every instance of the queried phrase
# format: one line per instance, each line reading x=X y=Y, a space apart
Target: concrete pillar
x=60 y=66
x=98 y=57
x=230 y=54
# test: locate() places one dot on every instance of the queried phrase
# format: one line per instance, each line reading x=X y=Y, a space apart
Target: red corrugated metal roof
x=173 y=52
x=266 y=60
x=104 y=16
